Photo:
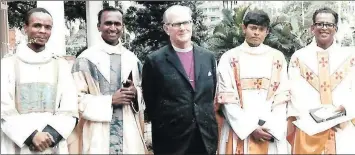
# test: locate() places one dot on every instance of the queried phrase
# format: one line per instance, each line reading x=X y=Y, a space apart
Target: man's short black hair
x=110 y=8
x=257 y=17
x=325 y=10
x=34 y=10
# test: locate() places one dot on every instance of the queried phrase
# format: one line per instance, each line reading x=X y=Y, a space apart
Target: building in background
x=213 y=9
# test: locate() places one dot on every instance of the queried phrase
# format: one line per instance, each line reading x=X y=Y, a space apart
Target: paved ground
x=148 y=137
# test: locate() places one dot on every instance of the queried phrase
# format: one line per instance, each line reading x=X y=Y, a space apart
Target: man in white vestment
x=322 y=75
x=108 y=78
x=39 y=107
x=252 y=93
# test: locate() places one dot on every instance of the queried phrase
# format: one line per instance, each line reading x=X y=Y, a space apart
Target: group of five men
x=97 y=107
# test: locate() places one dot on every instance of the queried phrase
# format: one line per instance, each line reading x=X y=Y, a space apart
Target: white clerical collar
x=253 y=50
x=26 y=54
x=182 y=50
x=111 y=49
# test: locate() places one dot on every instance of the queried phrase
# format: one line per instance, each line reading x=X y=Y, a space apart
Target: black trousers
x=196 y=144
x=193 y=144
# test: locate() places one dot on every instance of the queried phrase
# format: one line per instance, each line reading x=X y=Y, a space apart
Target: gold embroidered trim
x=255 y=83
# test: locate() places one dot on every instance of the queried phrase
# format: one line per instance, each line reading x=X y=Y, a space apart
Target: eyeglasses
x=178 y=24
x=327 y=25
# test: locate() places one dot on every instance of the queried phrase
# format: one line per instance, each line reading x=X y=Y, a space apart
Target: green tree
x=282 y=38
x=74 y=10
x=228 y=34
x=17 y=11
x=146 y=24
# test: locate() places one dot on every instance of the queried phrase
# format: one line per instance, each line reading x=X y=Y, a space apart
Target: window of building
x=213 y=9
x=214 y=19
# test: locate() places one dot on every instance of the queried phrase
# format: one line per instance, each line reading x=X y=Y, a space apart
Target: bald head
x=176 y=10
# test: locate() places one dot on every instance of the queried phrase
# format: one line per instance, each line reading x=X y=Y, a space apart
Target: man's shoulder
x=348 y=49
x=129 y=52
x=90 y=51
x=8 y=59
x=275 y=52
x=301 y=52
x=231 y=52
x=204 y=51
x=159 y=52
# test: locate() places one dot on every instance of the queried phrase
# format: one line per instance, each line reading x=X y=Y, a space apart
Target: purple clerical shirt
x=187 y=61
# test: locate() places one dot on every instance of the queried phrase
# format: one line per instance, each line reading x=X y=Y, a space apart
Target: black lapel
x=198 y=62
x=172 y=57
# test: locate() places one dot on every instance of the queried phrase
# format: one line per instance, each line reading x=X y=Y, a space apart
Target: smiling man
x=323 y=75
x=39 y=107
x=179 y=82
x=252 y=93
x=108 y=78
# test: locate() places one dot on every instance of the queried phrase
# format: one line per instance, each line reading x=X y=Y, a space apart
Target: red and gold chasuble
x=324 y=83
x=254 y=147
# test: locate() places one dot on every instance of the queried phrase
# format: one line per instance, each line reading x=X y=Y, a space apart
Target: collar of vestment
x=261 y=49
x=111 y=49
x=332 y=48
x=27 y=55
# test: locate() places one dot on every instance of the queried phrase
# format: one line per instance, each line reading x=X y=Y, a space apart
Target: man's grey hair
x=175 y=9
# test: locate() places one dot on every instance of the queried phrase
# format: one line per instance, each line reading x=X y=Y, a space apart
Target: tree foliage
x=74 y=10
x=228 y=34
x=18 y=9
x=146 y=24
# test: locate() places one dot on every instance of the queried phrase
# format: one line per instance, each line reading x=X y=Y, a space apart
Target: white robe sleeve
x=64 y=120
x=276 y=121
x=349 y=105
x=242 y=123
x=137 y=74
x=296 y=81
x=18 y=127
x=96 y=107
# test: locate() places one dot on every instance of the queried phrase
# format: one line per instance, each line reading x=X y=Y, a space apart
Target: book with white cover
x=307 y=123
x=323 y=114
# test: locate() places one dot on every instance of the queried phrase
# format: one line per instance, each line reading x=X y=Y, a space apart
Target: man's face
x=179 y=27
x=324 y=28
x=39 y=28
x=111 y=26
x=255 y=34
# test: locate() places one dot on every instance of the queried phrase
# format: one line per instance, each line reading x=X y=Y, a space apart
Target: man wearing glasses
x=179 y=82
x=322 y=75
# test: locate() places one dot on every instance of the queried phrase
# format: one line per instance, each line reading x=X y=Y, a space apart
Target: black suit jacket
x=175 y=109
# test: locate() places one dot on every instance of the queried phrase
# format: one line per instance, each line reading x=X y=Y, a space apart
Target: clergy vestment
x=37 y=93
x=322 y=77
x=257 y=78
x=103 y=128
